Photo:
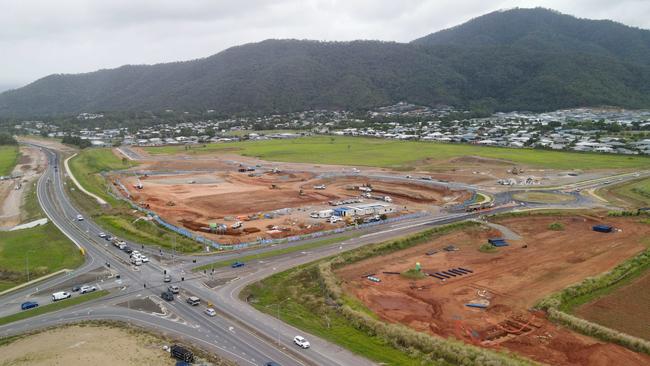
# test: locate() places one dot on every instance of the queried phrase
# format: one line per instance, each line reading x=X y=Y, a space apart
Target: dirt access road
x=30 y=165
x=512 y=280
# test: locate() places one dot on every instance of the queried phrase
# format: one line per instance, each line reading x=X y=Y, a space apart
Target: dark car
x=167 y=296
x=271 y=364
x=76 y=288
x=28 y=305
x=128 y=250
x=237 y=264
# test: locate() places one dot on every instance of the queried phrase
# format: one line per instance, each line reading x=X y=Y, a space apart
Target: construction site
x=453 y=287
x=232 y=203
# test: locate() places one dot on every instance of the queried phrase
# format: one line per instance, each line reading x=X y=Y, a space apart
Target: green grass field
x=31 y=209
x=45 y=248
x=403 y=154
x=260 y=132
x=59 y=305
x=276 y=252
x=87 y=165
x=636 y=192
x=8 y=158
x=543 y=197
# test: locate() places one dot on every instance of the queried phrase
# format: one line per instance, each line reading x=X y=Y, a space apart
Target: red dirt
x=514 y=277
x=223 y=195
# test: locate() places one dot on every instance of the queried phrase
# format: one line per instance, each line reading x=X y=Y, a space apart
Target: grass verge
x=25 y=314
x=120 y=220
x=31 y=209
x=88 y=165
x=8 y=158
x=400 y=154
x=276 y=252
x=42 y=250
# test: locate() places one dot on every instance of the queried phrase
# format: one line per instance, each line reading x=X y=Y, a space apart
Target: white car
x=210 y=312
x=144 y=259
x=300 y=341
x=61 y=295
x=102 y=235
x=80 y=218
x=86 y=289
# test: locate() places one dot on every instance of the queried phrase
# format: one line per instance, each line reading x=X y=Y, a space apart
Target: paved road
x=239 y=332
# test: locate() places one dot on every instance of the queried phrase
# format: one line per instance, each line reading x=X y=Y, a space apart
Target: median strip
x=52 y=307
x=276 y=252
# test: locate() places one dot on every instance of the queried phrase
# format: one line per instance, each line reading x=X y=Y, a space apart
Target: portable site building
x=343 y=211
x=498 y=242
x=602 y=228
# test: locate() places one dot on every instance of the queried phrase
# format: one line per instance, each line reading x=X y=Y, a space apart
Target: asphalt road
x=239 y=332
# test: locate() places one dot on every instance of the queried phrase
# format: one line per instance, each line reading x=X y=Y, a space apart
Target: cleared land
x=543 y=197
x=272 y=203
x=8 y=158
x=511 y=280
x=403 y=154
x=624 y=309
x=86 y=345
x=44 y=248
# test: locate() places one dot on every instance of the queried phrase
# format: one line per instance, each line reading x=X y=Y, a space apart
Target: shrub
x=556 y=226
x=487 y=248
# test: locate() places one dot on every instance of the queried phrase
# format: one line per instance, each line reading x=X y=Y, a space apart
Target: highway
x=239 y=332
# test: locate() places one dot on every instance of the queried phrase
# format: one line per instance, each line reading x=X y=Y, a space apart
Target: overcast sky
x=38 y=38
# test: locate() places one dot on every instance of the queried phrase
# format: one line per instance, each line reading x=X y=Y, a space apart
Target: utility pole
x=27 y=265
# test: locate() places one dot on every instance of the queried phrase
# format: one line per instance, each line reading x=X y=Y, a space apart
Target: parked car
x=174 y=289
x=86 y=289
x=108 y=237
x=102 y=235
x=28 y=305
x=210 y=312
x=127 y=249
x=167 y=296
x=237 y=264
x=300 y=341
x=144 y=259
x=61 y=295
x=76 y=288
x=167 y=278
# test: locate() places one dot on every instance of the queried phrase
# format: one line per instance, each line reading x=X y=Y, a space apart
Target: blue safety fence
x=198 y=238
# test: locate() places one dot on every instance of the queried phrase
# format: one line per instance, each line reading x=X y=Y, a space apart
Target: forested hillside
x=532 y=59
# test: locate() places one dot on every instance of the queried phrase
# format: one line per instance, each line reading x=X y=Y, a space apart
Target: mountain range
x=519 y=59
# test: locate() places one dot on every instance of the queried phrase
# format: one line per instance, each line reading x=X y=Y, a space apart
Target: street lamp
x=27 y=263
x=280 y=319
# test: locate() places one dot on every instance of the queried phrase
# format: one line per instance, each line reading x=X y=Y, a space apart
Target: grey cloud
x=65 y=36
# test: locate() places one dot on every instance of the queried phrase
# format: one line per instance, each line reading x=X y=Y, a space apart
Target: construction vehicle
x=138 y=184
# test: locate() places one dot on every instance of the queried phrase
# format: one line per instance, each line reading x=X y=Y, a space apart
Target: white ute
x=300 y=341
